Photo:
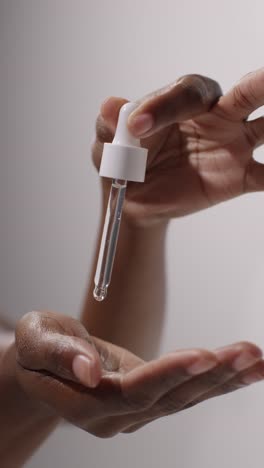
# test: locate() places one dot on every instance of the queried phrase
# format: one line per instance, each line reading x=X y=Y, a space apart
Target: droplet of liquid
x=99 y=293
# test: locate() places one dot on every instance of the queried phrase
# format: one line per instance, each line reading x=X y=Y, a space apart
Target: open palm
x=105 y=389
x=200 y=145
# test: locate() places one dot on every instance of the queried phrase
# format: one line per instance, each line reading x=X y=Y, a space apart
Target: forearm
x=24 y=423
x=132 y=315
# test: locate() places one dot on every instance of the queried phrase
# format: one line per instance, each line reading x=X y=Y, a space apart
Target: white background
x=58 y=60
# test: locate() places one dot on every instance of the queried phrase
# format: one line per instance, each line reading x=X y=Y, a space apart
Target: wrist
x=145 y=230
x=12 y=391
x=25 y=423
x=147 y=225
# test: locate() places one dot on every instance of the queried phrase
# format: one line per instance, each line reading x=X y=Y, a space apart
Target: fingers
x=244 y=98
x=110 y=111
x=232 y=359
x=241 y=380
x=59 y=345
x=184 y=99
x=255 y=132
x=146 y=384
x=248 y=377
x=254 y=177
x=143 y=386
x=233 y=362
x=106 y=125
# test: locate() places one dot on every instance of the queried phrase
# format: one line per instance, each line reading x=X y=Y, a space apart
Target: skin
x=110 y=390
x=200 y=146
x=200 y=153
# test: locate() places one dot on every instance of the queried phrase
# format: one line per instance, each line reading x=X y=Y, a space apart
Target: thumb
x=52 y=343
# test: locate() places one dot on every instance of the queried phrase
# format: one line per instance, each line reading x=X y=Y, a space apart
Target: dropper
x=123 y=160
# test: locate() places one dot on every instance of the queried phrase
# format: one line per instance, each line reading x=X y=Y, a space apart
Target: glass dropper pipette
x=123 y=160
x=109 y=238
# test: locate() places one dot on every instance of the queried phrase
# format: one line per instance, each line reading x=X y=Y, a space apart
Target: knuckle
x=252 y=75
x=215 y=377
x=136 y=426
x=205 y=90
x=104 y=427
x=28 y=319
x=102 y=432
x=248 y=75
x=171 y=403
x=229 y=387
x=246 y=344
x=171 y=406
x=250 y=348
x=244 y=97
x=191 y=404
x=105 y=434
x=23 y=335
x=131 y=430
x=103 y=132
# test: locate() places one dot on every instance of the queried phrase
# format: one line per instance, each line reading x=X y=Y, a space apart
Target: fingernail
x=252 y=378
x=244 y=361
x=83 y=369
x=141 y=124
x=201 y=366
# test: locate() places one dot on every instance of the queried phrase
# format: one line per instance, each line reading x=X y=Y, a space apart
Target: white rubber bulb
x=124 y=158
